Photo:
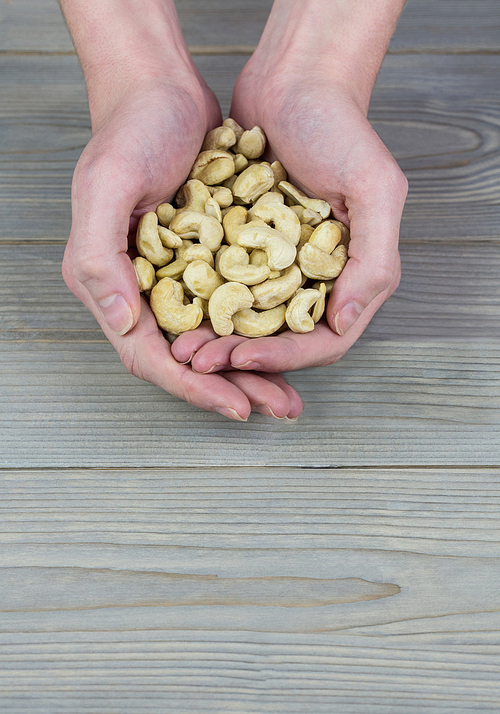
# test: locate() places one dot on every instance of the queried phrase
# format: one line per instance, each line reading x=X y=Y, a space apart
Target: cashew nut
x=233 y=221
x=167 y=304
x=280 y=250
x=207 y=228
x=279 y=174
x=252 y=143
x=195 y=196
x=148 y=241
x=212 y=208
x=253 y=182
x=240 y=163
x=278 y=216
x=212 y=167
x=326 y=236
x=250 y=323
x=319 y=307
x=298 y=318
x=174 y=270
x=165 y=213
x=234 y=265
x=223 y=196
x=316 y=204
x=259 y=257
x=168 y=238
x=274 y=292
x=224 y=302
x=317 y=264
x=238 y=130
x=201 y=279
x=197 y=251
x=306 y=215
x=145 y=274
x=221 y=138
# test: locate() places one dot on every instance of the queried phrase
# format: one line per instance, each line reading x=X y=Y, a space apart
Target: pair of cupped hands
x=144 y=143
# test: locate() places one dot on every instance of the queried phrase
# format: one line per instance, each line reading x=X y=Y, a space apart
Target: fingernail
x=190 y=358
x=267 y=411
x=213 y=368
x=346 y=317
x=248 y=365
x=229 y=413
x=117 y=313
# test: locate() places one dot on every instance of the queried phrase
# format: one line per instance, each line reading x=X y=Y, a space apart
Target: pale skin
x=308 y=86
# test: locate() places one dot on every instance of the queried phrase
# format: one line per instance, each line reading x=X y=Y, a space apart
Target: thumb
x=373 y=268
x=96 y=267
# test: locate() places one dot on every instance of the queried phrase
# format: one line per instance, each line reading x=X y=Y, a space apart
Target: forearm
x=124 y=42
x=343 y=39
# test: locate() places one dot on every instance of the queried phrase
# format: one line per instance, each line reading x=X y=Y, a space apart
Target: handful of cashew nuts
x=242 y=247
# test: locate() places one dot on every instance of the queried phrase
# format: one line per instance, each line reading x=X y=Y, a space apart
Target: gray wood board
x=425 y=25
x=398 y=403
x=252 y=590
x=439 y=115
x=447 y=291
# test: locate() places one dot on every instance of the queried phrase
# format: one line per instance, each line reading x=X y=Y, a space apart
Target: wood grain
x=83 y=550
x=388 y=402
x=439 y=115
x=425 y=25
x=447 y=291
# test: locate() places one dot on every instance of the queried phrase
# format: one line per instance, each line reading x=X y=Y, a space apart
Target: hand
x=320 y=133
x=141 y=151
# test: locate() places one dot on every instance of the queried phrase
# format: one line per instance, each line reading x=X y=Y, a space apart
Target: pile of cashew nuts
x=243 y=247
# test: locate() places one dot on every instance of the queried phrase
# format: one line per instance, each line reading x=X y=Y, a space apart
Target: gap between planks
x=256 y=469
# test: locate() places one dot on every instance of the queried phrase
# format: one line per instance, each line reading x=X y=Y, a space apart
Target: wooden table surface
x=155 y=558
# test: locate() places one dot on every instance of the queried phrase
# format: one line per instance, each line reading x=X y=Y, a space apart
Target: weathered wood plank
x=291 y=590
x=425 y=25
x=440 y=116
x=447 y=291
x=383 y=403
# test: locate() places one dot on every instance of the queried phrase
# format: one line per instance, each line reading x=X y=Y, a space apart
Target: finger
x=188 y=343
x=215 y=356
x=265 y=396
x=146 y=354
x=296 y=405
x=373 y=267
x=96 y=266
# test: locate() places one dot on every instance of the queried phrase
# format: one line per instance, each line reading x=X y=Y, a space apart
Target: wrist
x=125 y=46
x=343 y=40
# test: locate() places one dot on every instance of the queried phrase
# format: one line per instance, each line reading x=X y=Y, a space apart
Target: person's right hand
x=142 y=149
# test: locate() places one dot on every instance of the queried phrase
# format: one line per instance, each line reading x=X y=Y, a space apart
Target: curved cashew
x=278 y=216
x=234 y=265
x=165 y=213
x=279 y=174
x=233 y=221
x=259 y=257
x=250 y=323
x=232 y=124
x=201 y=279
x=212 y=208
x=223 y=196
x=174 y=270
x=194 y=197
x=218 y=255
x=145 y=274
x=317 y=264
x=207 y=228
x=168 y=238
x=252 y=143
x=253 y=182
x=167 y=304
x=224 y=302
x=326 y=236
x=271 y=197
x=221 y=138
x=319 y=307
x=274 y=292
x=212 y=167
x=306 y=215
x=345 y=233
x=240 y=163
x=316 y=204
x=148 y=241
x=204 y=306
x=280 y=250
x=298 y=318
x=197 y=251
